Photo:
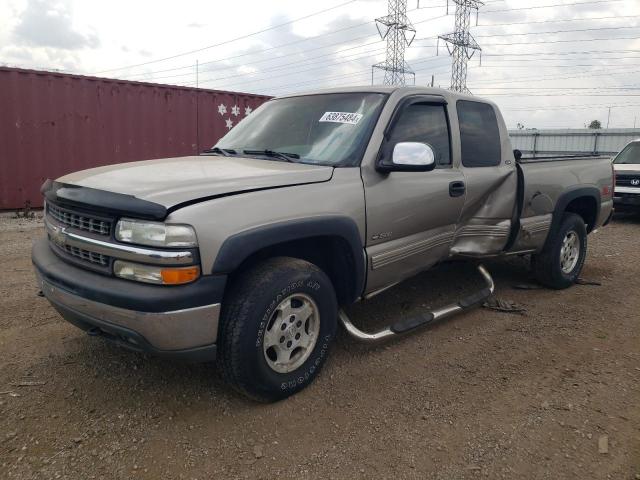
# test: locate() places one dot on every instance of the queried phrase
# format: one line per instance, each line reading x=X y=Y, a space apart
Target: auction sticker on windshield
x=341 y=117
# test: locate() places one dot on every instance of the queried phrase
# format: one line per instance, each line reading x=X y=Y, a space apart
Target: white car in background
x=627 y=169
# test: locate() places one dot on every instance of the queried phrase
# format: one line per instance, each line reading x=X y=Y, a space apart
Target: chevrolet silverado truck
x=248 y=252
x=627 y=188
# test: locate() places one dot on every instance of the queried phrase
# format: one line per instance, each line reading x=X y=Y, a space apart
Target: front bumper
x=176 y=321
x=625 y=200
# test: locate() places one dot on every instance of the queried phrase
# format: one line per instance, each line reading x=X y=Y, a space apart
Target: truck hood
x=172 y=181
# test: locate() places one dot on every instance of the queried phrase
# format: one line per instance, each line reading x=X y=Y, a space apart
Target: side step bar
x=407 y=324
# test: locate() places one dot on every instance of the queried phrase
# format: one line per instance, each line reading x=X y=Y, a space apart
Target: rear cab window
x=479 y=134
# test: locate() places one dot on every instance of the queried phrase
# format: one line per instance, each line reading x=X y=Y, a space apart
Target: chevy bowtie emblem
x=635 y=182
x=58 y=236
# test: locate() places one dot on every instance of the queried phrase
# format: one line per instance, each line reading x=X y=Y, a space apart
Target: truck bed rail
x=559 y=158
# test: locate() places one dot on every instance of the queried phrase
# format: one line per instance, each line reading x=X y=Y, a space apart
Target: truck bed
x=540 y=193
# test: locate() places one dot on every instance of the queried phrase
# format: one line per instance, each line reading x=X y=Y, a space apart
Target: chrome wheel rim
x=291 y=333
x=570 y=252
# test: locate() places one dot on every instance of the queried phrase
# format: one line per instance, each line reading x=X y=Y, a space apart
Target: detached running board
x=411 y=323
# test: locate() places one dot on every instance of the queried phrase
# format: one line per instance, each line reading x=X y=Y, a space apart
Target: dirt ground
x=484 y=395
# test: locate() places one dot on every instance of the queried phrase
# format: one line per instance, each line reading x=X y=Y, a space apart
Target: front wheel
x=277 y=325
x=560 y=263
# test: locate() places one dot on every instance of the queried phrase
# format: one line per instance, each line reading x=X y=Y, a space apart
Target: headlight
x=153 y=274
x=155 y=234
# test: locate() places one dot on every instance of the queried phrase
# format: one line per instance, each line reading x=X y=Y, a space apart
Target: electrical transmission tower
x=460 y=44
x=399 y=33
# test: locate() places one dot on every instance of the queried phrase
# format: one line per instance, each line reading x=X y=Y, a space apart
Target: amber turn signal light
x=177 y=276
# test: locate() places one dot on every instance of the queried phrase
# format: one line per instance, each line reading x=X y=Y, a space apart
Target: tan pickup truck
x=314 y=201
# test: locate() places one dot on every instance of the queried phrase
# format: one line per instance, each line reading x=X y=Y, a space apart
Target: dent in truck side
x=428 y=221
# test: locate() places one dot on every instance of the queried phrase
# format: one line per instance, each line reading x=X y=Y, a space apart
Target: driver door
x=412 y=216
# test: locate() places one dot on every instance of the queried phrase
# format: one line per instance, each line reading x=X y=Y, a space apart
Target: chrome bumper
x=164 y=331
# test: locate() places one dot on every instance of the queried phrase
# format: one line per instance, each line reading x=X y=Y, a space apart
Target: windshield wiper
x=227 y=152
x=289 y=157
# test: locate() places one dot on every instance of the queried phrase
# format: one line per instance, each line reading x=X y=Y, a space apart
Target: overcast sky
x=553 y=68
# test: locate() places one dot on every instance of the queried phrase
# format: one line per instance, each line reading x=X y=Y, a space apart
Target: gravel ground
x=552 y=393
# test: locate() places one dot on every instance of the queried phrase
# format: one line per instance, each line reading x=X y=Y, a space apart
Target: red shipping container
x=53 y=123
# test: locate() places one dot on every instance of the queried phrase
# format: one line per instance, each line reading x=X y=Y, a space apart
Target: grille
x=79 y=221
x=87 y=256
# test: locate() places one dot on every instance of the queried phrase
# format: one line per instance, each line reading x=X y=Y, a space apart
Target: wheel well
x=587 y=208
x=332 y=254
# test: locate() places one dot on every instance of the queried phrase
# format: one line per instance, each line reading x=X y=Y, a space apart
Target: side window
x=479 y=134
x=425 y=123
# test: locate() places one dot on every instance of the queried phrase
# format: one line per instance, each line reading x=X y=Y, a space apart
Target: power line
x=554 y=5
x=561 y=54
x=268 y=49
x=598 y=73
x=553 y=41
x=555 y=21
x=361 y=72
x=277 y=67
x=500 y=55
x=586 y=106
x=563 y=88
x=431 y=59
x=274 y=48
x=557 y=31
x=322 y=65
x=264 y=49
x=242 y=37
x=191 y=66
x=564 y=65
x=228 y=67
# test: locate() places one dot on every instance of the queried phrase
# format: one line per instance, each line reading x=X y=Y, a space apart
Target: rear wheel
x=560 y=263
x=277 y=325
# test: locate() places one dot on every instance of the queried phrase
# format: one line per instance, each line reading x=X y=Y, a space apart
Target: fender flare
x=568 y=197
x=238 y=247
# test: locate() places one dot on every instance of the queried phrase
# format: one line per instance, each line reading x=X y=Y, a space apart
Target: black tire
x=547 y=265
x=247 y=310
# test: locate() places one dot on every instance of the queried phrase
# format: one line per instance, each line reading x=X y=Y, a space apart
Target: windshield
x=630 y=154
x=327 y=129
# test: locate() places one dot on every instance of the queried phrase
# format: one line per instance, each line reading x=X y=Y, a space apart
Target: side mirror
x=410 y=157
x=517 y=154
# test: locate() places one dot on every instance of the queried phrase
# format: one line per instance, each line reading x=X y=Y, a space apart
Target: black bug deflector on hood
x=117 y=204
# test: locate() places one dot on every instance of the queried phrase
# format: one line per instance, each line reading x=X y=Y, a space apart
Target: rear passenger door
x=490 y=179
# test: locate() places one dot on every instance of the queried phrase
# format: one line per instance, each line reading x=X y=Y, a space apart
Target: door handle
x=457 y=189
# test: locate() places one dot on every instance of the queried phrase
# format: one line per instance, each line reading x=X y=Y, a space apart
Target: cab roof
x=448 y=95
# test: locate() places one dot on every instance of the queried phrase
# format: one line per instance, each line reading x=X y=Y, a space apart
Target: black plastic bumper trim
x=208 y=290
